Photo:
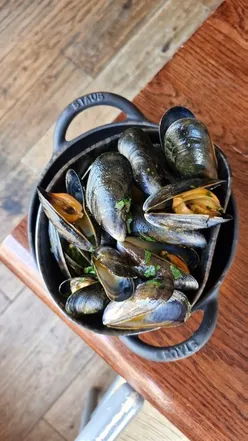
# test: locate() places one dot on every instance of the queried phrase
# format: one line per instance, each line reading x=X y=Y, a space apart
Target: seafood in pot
x=187 y=144
x=88 y=300
x=108 y=193
x=114 y=274
x=70 y=286
x=187 y=255
x=148 y=309
x=85 y=223
x=63 y=211
x=135 y=262
x=136 y=146
x=142 y=228
x=166 y=267
x=187 y=205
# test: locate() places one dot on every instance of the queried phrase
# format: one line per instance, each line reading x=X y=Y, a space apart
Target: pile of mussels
x=130 y=236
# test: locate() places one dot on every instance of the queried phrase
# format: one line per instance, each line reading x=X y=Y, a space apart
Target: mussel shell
x=109 y=181
x=64 y=228
x=114 y=261
x=57 y=250
x=137 y=147
x=161 y=266
x=189 y=149
x=88 y=300
x=172 y=115
x=189 y=255
x=148 y=309
x=74 y=186
x=142 y=228
x=162 y=199
x=85 y=224
x=69 y=286
x=189 y=222
x=116 y=288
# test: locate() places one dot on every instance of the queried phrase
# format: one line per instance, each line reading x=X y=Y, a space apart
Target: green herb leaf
x=128 y=222
x=92 y=249
x=151 y=270
x=123 y=203
x=220 y=210
x=209 y=194
x=147 y=238
x=175 y=272
x=147 y=256
x=89 y=270
x=154 y=282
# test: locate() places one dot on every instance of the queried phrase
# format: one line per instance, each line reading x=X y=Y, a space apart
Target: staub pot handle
x=86 y=102
x=184 y=349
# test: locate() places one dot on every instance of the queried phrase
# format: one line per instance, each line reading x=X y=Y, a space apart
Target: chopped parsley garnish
x=89 y=270
x=220 y=210
x=92 y=249
x=209 y=194
x=147 y=238
x=128 y=222
x=147 y=256
x=151 y=271
x=123 y=203
x=175 y=272
x=154 y=282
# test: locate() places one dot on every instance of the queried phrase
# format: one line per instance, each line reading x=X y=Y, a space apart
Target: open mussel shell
x=69 y=286
x=88 y=300
x=187 y=254
x=188 y=147
x=114 y=261
x=64 y=228
x=117 y=288
x=137 y=147
x=149 y=266
x=57 y=250
x=85 y=224
x=161 y=267
x=148 y=309
x=163 y=201
x=142 y=228
x=108 y=193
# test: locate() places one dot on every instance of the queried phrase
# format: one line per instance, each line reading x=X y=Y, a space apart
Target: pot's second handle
x=87 y=101
x=181 y=350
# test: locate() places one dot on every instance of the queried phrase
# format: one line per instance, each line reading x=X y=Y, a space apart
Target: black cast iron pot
x=80 y=152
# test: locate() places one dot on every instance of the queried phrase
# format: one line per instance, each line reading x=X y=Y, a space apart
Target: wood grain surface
x=204 y=394
x=52 y=52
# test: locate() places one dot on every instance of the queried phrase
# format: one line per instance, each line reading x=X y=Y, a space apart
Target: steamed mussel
x=187 y=205
x=108 y=193
x=187 y=144
x=137 y=147
x=129 y=236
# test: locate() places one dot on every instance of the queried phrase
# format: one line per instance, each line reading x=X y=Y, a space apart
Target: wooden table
x=202 y=395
